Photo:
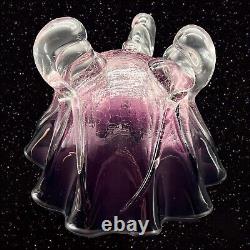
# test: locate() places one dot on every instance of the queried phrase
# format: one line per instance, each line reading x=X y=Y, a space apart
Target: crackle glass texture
x=123 y=135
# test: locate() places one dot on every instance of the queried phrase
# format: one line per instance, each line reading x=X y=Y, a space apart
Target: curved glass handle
x=142 y=35
x=193 y=50
x=58 y=45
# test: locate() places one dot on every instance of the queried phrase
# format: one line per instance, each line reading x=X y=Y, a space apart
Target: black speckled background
x=224 y=104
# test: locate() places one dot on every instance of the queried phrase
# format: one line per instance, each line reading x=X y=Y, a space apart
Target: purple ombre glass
x=123 y=135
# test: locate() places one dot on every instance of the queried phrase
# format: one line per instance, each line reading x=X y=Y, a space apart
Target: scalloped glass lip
x=96 y=233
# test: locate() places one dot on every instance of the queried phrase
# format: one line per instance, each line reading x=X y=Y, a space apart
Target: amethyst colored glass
x=123 y=135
